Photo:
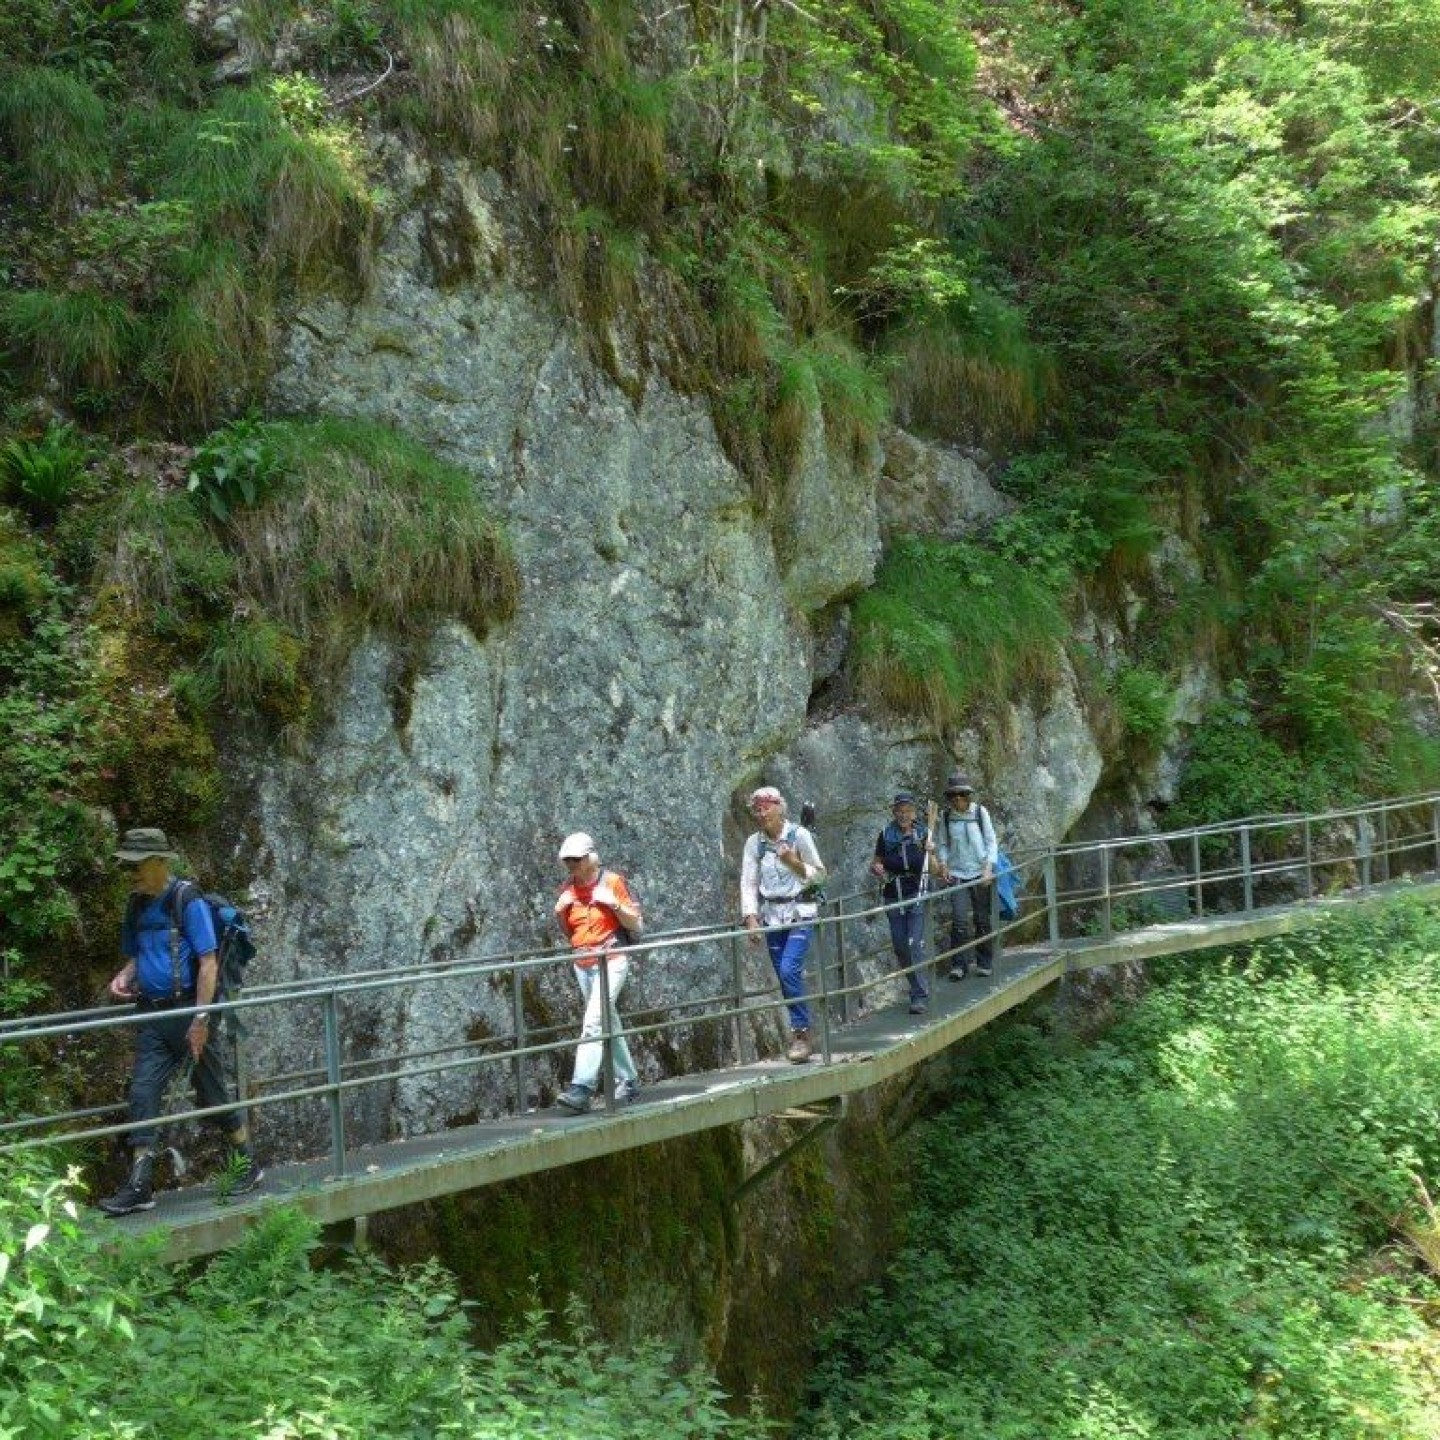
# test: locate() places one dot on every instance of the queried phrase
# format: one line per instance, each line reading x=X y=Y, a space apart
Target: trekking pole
x=170 y=1110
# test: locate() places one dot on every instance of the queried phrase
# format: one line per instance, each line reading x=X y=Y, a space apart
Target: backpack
x=234 y=948
x=627 y=937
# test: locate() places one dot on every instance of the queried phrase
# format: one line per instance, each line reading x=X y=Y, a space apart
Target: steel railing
x=1072 y=893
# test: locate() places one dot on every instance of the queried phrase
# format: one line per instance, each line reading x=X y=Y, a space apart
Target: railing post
x=1052 y=898
x=1246 y=868
x=842 y=961
x=517 y=1017
x=607 y=1036
x=332 y=1077
x=1364 y=847
x=737 y=996
x=1197 y=872
x=1309 y=860
x=997 y=943
x=1383 y=815
x=1435 y=830
x=1106 y=913
x=824 y=1009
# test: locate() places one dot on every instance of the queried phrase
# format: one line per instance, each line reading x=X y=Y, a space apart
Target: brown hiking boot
x=799 y=1051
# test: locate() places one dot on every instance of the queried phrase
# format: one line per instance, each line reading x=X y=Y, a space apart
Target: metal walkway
x=1320 y=863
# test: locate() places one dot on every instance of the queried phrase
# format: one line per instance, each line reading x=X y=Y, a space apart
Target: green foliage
x=949 y=631
x=50 y=711
x=1171 y=1232
x=81 y=338
x=44 y=473
x=1145 y=701
x=371 y=525
x=235 y=465
x=344 y=1352
x=54 y=131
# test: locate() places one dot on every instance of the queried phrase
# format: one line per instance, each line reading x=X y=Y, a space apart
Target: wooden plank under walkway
x=881 y=1045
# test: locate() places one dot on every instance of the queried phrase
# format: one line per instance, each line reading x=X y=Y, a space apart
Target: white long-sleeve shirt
x=771 y=890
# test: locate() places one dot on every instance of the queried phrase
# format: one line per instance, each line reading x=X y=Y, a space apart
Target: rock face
x=663 y=656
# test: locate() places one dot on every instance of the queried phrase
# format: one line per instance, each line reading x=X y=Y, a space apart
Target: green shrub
x=45 y=473
x=1145 y=703
x=343 y=1352
x=236 y=465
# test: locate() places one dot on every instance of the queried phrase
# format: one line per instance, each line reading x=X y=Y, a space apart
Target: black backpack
x=627 y=937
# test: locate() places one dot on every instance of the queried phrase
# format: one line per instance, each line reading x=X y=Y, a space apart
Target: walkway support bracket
x=818 y=1119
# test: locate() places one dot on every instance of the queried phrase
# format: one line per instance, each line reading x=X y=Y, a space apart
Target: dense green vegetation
x=109 y=1346
x=1213 y=1222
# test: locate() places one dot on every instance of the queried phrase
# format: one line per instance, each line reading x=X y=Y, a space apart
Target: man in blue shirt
x=170 y=966
x=903 y=853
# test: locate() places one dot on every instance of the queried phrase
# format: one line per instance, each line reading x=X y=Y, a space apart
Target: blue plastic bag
x=1007 y=889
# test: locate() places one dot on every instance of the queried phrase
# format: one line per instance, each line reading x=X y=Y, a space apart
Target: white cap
x=577 y=846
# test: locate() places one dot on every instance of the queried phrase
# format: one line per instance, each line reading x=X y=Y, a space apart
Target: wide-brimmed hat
x=143 y=844
x=959 y=784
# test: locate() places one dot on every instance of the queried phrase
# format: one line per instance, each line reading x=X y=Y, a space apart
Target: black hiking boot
x=137 y=1193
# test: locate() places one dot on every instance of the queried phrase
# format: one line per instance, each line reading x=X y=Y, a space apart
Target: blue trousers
x=907 y=939
x=788 y=949
x=161 y=1049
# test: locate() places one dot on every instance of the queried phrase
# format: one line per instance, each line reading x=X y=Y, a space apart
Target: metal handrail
x=845 y=966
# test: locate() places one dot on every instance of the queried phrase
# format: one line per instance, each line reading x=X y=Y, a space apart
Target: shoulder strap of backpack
x=182 y=892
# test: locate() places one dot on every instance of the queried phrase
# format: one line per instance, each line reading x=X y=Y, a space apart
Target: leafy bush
x=345 y=1352
x=1145 y=703
x=235 y=465
x=44 y=473
x=1172 y=1232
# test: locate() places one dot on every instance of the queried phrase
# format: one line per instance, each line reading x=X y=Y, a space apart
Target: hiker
x=904 y=856
x=596 y=910
x=966 y=850
x=779 y=871
x=170 y=964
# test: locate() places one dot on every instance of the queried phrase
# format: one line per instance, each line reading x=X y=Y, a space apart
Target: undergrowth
x=265 y=1342
x=1207 y=1224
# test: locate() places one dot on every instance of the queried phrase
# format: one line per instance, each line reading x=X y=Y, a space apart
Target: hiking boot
x=242 y=1174
x=959 y=972
x=627 y=1092
x=984 y=971
x=799 y=1051
x=575 y=1099
x=137 y=1193
x=918 y=1007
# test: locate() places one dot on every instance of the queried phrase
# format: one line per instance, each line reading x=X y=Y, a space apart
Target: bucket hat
x=142 y=844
